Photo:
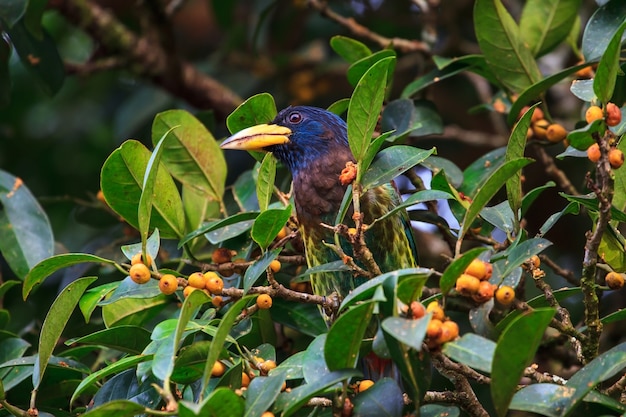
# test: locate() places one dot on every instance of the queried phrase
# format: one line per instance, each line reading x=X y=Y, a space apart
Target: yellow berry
x=593 y=153
x=540 y=128
x=477 y=269
x=188 y=290
x=168 y=284
x=435 y=308
x=616 y=158
x=267 y=366
x=593 y=113
x=467 y=284
x=613 y=114
x=556 y=133
x=433 y=330
x=282 y=234
x=264 y=301
x=216 y=301
x=139 y=273
x=365 y=384
x=535 y=261
x=196 y=280
x=449 y=331
x=245 y=380
x=267 y=414
x=218 y=369
x=614 y=280
x=275 y=265
x=138 y=259
x=213 y=282
x=505 y=295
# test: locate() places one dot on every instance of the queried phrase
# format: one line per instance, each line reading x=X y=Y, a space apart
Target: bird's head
x=296 y=136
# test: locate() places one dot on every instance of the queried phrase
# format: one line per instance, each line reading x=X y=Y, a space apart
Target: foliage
x=140 y=351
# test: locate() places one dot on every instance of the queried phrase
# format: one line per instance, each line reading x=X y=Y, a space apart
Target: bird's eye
x=295 y=117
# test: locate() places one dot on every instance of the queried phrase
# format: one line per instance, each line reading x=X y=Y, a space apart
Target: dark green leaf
x=240 y=219
x=453 y=173
x=257 y=109
x=409 y=332
x=392 y=162
x=56 y=319
x=500 y=216
x=304 y=317
x=221 y=402
x=545 y=399
x=360 y=67
x=383 y=399
x=516 y=348
x=117 y=408
x=404 y=117
x=600 y=29
x=418 y=197
x=349 y=49
x=480 y=170
x=500 y=41
x=265 y=181
x=262 y=392
x=436 y=410
x=25 y=232
x=133 y=311
x=258 y=268
x=545 y=24
x=590 y=202
x=365 y=106
x=472 y=350
x=127 y=288
x=121 y=183
x=608 y=67
x=571 y=208
x=457 y=267
x=344 y=338
x=5 y=74
x=12 y=11
x=268 y=224
x=129 y=339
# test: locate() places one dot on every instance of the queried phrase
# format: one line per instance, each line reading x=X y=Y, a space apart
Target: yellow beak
x=257 y=138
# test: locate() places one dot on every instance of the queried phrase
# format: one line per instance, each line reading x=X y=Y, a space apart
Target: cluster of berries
x=612 y=116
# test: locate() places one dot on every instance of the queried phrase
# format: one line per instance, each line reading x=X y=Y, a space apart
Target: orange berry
x=540 y=129
x=613 y=114
x=535 y=261
x=485 y=292
x=556 y=133
x=196 y=280
x=489 y=270
x=282 y=234
x=139 y=273
x=537 y=115
x=467 y=284
x=264 y=301
x=614 y=280
x=188 y=290
x=593 y=113
x=275 y=265
x=365 y=384
x=138 y=259
x=505 y=295
x=213 y=282
x=218 y=369
x=593 y=153
x=616 y=158
x=435 y=308
x=267 y=414
x=433 y=330
x=417 y=310
x=477 y=269
x=267 y=366
x=449 y=331
x=297 y=286
x=216 y=301
x=245 y=380
x=168 y=284
x=222 y=255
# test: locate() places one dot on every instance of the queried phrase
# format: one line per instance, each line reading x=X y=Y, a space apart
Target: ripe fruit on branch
x=139 y=273
x=467 y=284
x=275 y=265
x=138 y=259
x=196 y=280
x=616 y=158
x=505 y=295
x=593 y=153
x=556 y=133
x=264 y=301
x=416 y=310
x=477 y=269
x=365 y=384
x=613 y=114
x=436 y=309
x=168 y=284
x=222 y=255
x=593 y=113
x=614 y=280
x=213 y=282
x=218 y=369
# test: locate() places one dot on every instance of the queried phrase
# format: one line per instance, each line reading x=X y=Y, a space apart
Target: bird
x=313 y=144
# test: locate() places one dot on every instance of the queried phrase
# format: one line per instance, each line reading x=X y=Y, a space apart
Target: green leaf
x=304 y=317
x=259 y=267
x=360 y=67
x=268 y=224
x=291 y=402
x=265 y=181
x=33 y=16
x=489 y=189
x=406 y=117
x=339 y=107
x=220 y=337
x=608 y=67
x=457 y=267
x=112 y=369
x=391 y=162
x=582 y=138
x=515 y=349
x=39 y=55
x=383 y=399
x=221 y=402
x=133 y=311
x=436 y=410
x=129 y=339
x=349 y=49
x=5 y=74
x=590 y=202
x=583 y=89
x=515 y=150
x=242 y=219
x=25 y=232
x=12 y=11
x=48 y=266
x=409 y=332
x=191 y=154
x=472 y=350
x=117 y=408
x=365 y=106
x=257 y=109
x=475 y=175
x=600 y=29
x=121 y=179
x=545 y=399
x=344 y=338
x=419 y=197
x=619 y=186
x=164 y=358
x=545 y=24
x=262 y=392
x=55 y=321
x=500 y=41
x=501 y=216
